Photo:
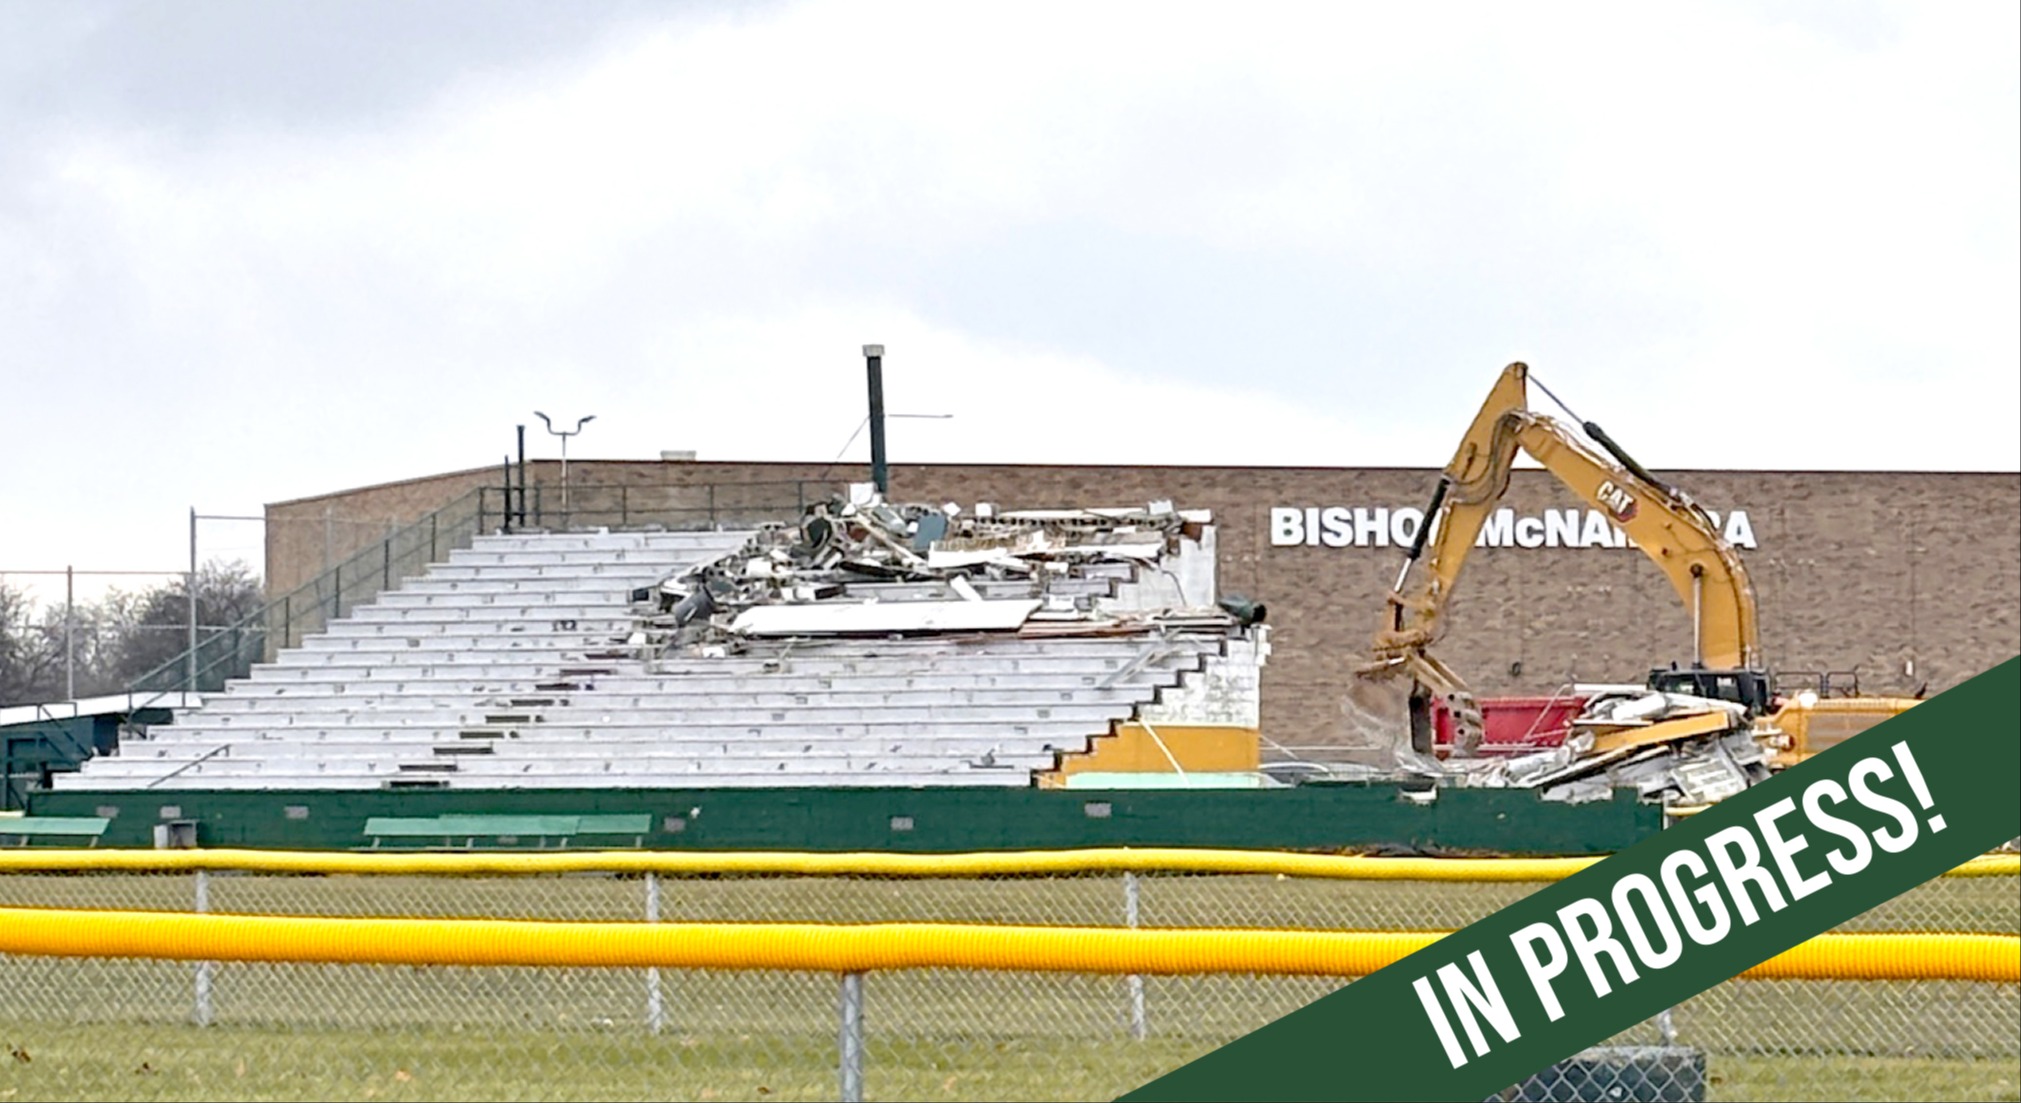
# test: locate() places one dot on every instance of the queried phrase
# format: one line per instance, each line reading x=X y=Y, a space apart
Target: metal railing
x=635 y=974
x=672 y=506
x=228 y=652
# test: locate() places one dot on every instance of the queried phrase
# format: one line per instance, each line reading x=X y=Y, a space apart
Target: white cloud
x=1738 y=239
x=798 y=377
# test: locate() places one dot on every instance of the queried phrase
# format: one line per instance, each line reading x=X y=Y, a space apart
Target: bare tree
x=31 y=669
x=154 y=625
x=114 y=642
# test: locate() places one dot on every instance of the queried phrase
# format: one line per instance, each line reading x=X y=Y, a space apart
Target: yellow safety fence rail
x=846 y=948
x=1068 y=974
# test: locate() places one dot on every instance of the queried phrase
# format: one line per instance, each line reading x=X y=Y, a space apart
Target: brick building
x=1912 y=579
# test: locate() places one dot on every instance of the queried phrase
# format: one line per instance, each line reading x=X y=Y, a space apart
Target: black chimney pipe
x=880 y=471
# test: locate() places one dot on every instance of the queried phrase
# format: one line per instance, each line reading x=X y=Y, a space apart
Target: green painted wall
x=1319 y=817
x=30 y=752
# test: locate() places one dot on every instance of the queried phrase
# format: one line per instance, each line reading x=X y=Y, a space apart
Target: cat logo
x=1617 y=502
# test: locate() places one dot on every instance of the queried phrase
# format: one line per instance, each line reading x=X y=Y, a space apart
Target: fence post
x=287 y=620
x=337 y=592
x=1138 y=1026
x=203 y=968
x=505 y=507
x=1666 y=1027
x=852 y=1038
x=69 y=633
x=656 y=1014
x=624 y=505
x=386 y=565
x=431 y=536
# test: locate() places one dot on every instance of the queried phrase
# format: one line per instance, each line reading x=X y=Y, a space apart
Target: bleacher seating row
x=505 y=667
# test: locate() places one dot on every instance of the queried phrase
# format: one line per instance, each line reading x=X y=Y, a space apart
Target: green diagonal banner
x=1614 y=945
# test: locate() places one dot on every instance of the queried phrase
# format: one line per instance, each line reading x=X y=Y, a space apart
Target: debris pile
x=862 y=566
x=1671 y=748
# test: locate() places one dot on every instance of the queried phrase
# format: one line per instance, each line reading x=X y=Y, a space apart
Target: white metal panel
x=892 y=616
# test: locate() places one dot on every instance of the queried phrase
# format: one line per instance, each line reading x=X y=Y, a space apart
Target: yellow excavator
x=1662 y=520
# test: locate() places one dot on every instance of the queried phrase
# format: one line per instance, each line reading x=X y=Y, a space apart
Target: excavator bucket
x=1377 y=709
x=1393 y=702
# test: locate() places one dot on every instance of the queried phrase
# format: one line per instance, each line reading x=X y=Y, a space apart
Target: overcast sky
x=254 y=251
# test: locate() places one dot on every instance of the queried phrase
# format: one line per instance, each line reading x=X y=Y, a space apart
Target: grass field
x=78 y=1029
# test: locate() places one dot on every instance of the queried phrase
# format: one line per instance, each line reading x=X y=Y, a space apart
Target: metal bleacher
x=506 y=667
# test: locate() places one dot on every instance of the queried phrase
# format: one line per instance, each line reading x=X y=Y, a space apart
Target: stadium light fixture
x=564 y=434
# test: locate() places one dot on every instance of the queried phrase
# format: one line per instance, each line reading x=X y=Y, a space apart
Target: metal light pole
x=564 y=435
x=518 y=517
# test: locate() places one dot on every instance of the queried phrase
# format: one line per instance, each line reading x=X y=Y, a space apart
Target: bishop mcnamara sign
x=1377 y=527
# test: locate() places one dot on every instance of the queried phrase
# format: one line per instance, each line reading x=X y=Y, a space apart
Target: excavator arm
x=1671 y=529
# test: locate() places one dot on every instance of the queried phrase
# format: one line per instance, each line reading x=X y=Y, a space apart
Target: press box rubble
x=1693 y=769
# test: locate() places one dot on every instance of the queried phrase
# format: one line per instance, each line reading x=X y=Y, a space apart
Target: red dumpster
x=1514 y=725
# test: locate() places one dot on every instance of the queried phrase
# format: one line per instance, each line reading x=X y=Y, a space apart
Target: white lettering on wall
x=1499 y=531
x=1371 y=527
x=1561 y=528
x=1596 y=532
x=1404 y=524
x=1287 y=526
x=1339 y=526
x=1381 y=527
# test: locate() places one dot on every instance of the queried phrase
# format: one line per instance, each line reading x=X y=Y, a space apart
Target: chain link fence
x=376 y=563
x=101 y=1027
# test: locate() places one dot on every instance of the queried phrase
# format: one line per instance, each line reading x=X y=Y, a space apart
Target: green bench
x=469 y=832
x=25 y=830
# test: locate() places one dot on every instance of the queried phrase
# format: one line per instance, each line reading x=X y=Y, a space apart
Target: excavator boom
x=1671 y=529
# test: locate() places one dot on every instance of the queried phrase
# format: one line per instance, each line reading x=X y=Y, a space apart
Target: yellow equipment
x=1663 y=521
x=1807 y=724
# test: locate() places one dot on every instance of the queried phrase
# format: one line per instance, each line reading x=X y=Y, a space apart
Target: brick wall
x=308 y=536
x=1910 y=578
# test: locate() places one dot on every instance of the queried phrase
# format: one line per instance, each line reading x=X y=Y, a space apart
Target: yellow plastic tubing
x=838 y=948
x=1006 y=863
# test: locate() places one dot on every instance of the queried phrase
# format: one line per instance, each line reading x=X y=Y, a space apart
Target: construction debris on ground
x=1670 y=748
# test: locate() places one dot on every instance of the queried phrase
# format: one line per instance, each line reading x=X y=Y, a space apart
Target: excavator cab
x=1747 y=688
